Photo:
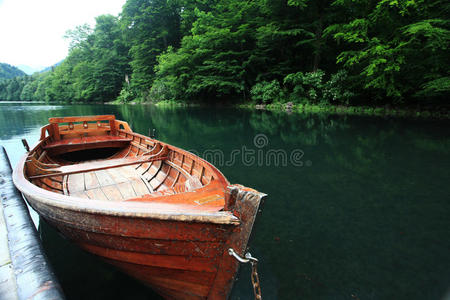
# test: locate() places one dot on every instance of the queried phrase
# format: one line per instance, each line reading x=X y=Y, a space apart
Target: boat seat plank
x=98 y=131
x=214 y=202
x=87 y=140
x=56 y=120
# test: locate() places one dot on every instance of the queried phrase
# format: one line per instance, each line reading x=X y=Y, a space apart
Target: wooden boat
x=161 y=214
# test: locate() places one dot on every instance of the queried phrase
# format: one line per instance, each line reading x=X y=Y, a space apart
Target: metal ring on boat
x=248 y=256
x=254 y=275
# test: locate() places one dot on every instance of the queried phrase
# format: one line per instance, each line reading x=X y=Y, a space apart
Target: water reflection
x=367 y=219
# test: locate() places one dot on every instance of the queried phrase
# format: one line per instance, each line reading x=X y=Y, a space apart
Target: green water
x=358 y=207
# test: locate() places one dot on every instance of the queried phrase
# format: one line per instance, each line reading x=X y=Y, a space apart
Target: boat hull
x=179 y=259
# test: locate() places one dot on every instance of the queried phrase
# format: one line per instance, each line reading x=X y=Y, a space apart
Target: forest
x=342 y=52
x=7 y=71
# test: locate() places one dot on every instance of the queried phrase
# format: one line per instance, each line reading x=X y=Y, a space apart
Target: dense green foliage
x=339 y=52
x=8 y=71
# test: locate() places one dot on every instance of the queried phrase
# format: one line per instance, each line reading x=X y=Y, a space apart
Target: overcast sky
x=31 y=31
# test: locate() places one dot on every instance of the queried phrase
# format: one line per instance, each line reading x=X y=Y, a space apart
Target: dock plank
x=8 y=286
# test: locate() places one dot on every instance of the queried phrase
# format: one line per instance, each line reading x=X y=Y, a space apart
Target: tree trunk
x=317 y=44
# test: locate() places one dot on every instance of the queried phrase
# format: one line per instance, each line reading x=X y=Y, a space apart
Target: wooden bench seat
x=87 y=140
x=85 y=143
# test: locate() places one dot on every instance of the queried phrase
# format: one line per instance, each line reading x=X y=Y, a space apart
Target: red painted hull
x=180 y=260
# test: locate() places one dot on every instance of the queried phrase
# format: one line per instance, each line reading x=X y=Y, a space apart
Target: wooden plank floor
x=8 y=288
x=115 y=184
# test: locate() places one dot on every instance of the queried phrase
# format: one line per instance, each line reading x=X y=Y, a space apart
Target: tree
x=149 y=27
x=388 y=51
x=398 y=47
x=79 y=36
x=29 y=89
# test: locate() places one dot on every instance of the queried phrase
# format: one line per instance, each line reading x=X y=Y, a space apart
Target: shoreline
x=22 y=102
x=442 y=113
x=379 y=111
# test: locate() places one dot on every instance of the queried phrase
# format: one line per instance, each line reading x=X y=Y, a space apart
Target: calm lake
x=357 y=207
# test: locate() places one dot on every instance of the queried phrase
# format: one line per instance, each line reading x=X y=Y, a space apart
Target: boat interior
x=99 y=157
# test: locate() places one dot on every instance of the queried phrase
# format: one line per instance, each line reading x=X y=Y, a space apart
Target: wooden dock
x=24 y=270
x=8 y=288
